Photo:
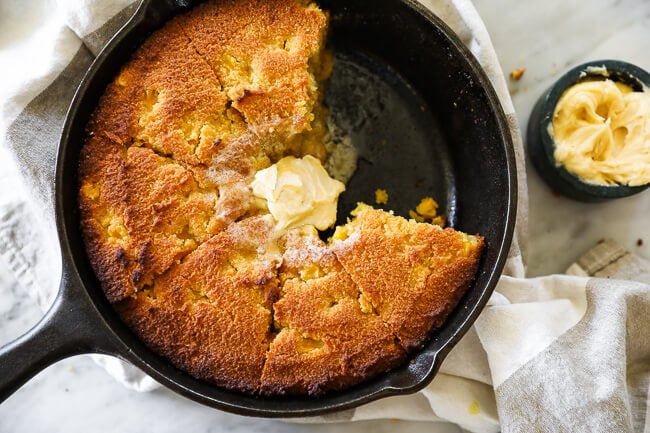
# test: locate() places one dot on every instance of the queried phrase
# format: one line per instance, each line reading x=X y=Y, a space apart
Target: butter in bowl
x=589 y=134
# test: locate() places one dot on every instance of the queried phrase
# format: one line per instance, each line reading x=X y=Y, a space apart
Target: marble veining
x=18 y=312
x=547 y=37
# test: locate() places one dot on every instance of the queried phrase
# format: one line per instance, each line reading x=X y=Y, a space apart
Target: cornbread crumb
x=428 y=208
x=415 y=216
x=440 y=220
x=516 y=74
x=381 y=196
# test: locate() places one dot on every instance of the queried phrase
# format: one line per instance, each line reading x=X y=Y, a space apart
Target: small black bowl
x=541 y=145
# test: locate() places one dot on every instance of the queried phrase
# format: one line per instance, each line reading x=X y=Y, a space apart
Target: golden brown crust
x=211 y=314
x=265 y=73
x=190 y=262
x=413 y=274
x=325 y=341
x=166 y=98
x=141 y=211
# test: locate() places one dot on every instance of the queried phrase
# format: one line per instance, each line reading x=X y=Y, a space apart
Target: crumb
x=415 y=216
x=440 y=220
x=381 y=196
x=474 y=408
x=639 y=242
x=516 y=74
x=428 y=208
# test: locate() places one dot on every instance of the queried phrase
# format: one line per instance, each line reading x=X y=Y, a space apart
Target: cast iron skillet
x=426 y=121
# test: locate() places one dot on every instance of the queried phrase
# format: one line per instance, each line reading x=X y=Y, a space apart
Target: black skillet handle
x=70 y=327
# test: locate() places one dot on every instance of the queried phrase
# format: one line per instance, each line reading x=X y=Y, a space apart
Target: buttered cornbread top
x=197 y=265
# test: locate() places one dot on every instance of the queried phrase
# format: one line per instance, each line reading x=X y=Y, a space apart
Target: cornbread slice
x=168 y=98
x=327 y=339
x=268 y=58
x=412 y=274
x=141 y=213
x=211 y=315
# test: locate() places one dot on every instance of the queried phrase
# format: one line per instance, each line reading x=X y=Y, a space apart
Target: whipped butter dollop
x=298 y=191
x=601 y=131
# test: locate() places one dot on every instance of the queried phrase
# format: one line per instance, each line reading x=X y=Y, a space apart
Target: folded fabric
x=572 y=353
x=559 y=353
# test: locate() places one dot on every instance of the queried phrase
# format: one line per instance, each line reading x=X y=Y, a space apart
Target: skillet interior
x=433 y=128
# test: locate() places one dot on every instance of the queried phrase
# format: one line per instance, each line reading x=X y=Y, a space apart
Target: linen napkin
x=559 y=353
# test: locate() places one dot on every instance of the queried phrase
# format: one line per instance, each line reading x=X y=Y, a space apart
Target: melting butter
x=298 y=191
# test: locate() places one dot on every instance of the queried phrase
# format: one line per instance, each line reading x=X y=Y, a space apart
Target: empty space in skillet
x=399 y=143
x=445 y=137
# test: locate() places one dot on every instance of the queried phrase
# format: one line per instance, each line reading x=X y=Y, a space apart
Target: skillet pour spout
x=402 y=78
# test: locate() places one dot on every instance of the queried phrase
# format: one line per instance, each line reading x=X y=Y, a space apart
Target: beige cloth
x=559 y=353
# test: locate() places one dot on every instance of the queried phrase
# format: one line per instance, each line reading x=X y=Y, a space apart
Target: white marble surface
x=546 y=37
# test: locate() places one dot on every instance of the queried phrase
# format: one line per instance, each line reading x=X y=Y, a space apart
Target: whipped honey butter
x=298 y=191
x=601 y=131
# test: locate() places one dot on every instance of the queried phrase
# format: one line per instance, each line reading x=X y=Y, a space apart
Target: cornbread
x=326 y=336
x=177 y=214
x=411 y=274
